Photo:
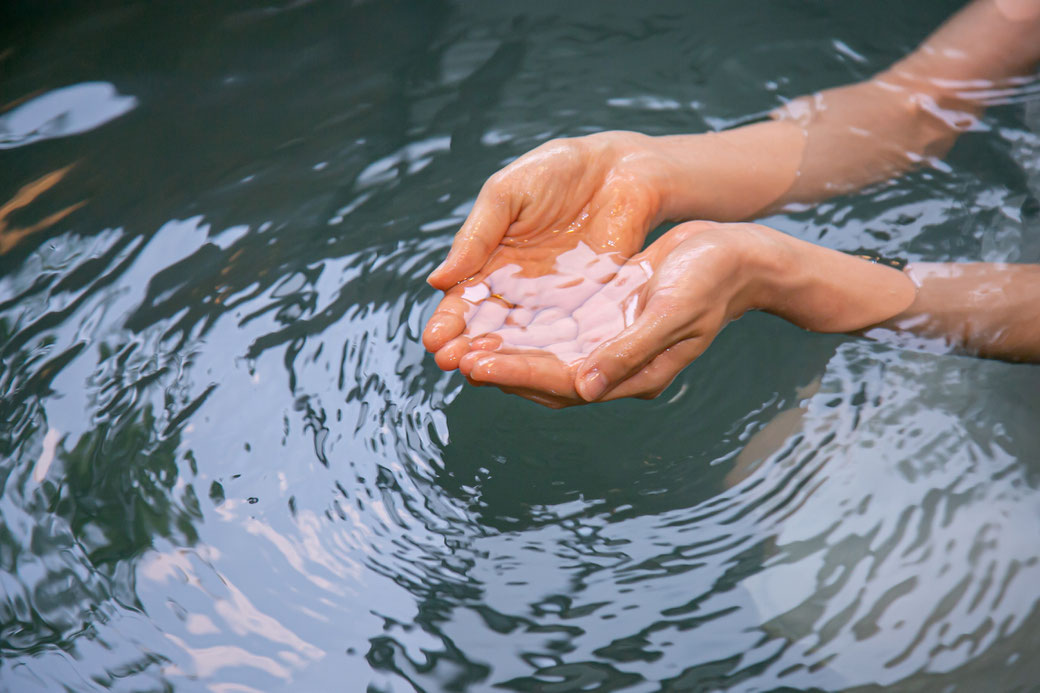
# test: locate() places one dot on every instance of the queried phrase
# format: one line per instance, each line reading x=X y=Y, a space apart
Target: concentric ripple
x=227 y=464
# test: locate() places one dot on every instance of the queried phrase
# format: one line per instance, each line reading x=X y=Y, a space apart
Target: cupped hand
x=657 y=313
x=598 y=192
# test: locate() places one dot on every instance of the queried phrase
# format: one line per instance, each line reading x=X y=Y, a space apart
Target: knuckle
x=631 y=362
x=618 y=365
x=699 y=227
x=499 y=182
x=560 y=149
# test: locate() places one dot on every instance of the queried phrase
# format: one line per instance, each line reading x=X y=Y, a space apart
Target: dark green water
x=226 y=463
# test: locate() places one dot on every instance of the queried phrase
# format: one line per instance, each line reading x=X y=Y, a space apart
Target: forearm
x=912 y=113
x=985 y=309
x=820 y=289
x=842 y=139
x=728 y=176
x=831 y=143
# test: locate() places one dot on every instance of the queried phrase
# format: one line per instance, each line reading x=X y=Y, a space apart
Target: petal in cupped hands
x=593 y=191
x=631 y=334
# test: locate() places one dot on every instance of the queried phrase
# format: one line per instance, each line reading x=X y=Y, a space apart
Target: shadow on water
x=226 y=461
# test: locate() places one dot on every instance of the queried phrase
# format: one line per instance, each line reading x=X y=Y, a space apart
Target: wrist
x=826 y=290
x=733 y=175
x=769 y=268
x=679 y=161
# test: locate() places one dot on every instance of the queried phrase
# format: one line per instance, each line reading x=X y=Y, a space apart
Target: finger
x=540 y=372
x=448 y=356
x=549 y=316
x=520 y=317
x=491 y=342
x=658 y=327
x=480 y=234
x=568 y=353
x=657 y=375
x=512 y=286
x=447 y=322
x=539 y=336
x=469 y=360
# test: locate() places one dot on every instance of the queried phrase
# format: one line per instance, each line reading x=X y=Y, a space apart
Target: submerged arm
x=842 y=139
x=986 y=309
x=983 y=309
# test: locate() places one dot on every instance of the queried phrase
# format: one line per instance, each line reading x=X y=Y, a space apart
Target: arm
x=609 y=189
x=984 y=309
x=842 y=139
x=816 y=146
x=686 y=286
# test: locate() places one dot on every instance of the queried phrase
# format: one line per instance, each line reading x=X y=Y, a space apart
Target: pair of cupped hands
x=550 y=295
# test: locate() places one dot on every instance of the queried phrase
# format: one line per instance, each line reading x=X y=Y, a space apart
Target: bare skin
x=665 y=306
x=669 y=302
x=605 y=192
x=982 y=308
x=600 y=190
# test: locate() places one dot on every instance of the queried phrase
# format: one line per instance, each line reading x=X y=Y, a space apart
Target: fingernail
x=429 y=277
x=592 y=385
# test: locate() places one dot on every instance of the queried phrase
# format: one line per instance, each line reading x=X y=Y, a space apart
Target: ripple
x=227 y=462
x=63 y=112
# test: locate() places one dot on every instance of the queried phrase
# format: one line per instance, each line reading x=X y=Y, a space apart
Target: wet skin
x=602 y=193
x=594 y=191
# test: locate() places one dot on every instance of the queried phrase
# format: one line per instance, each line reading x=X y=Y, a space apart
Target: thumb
x=481 y=233
x=657 y=328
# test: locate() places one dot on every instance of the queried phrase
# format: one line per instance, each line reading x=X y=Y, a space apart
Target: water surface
x=227 y=463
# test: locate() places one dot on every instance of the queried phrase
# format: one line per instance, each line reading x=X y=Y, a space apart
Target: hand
x=631 y=338
x=601 y=191
x=565 y=314
x=607 y=191
x=664 y=307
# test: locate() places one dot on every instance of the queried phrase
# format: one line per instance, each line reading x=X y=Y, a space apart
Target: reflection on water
x=227 y=463
x=66 y=111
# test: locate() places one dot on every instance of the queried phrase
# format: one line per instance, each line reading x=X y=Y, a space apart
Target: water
x=228 y=465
